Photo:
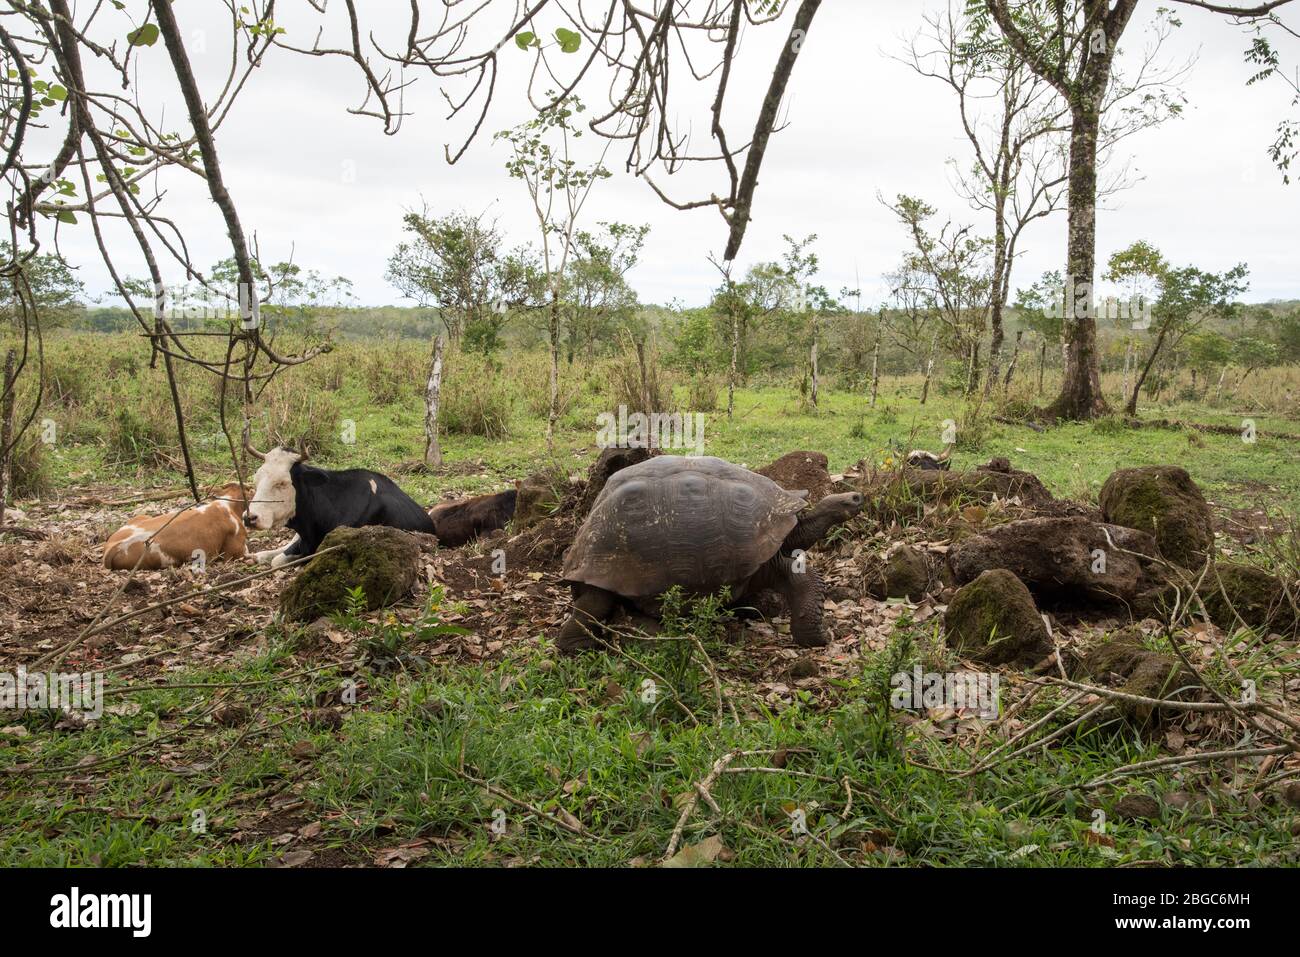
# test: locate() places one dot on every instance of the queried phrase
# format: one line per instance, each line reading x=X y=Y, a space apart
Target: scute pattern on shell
x=697 y=522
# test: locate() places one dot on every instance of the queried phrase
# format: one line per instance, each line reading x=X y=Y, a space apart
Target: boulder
x=1126 y=665
x=1233 y=590
x=1070 y=560
x=382 y=561
x=905 y=574
x=1163 y=501
x=537 y=498
x=801 y=470
x=994 y=620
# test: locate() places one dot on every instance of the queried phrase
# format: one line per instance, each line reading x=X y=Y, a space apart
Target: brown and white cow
x=215 y=528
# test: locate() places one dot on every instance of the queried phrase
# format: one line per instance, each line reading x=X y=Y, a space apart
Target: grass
x=574 y=737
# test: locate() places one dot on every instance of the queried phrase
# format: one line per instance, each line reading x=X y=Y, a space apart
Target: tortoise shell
x=698 y=522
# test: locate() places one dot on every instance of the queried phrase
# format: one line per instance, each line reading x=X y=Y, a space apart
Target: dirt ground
x=55 y=589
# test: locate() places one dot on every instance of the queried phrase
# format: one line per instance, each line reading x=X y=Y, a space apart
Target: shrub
x=141 y=433
x=300 y=419
x=475 y=400
x=637 y=379
x=29 y=468
x=702 y=394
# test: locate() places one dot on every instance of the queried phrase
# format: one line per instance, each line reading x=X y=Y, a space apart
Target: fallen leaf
x=697 y=855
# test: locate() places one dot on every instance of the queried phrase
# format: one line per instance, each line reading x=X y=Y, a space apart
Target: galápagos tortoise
x=702 y=524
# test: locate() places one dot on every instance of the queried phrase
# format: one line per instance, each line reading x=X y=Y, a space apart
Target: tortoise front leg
x=803 y=594
x=591 y=607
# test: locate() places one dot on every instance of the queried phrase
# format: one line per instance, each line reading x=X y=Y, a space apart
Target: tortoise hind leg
x=591 y=607
x=803 y=593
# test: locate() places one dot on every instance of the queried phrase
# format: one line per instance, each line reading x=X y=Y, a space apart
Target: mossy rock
x=906 y=574
x=1260 y=599
x=1164 y=502
x=994 y=620
x=382 y=560
x=538 y=498
x=1132 y=669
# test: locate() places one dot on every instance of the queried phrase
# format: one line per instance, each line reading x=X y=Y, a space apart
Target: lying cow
x=314 y=501
x=456 y=523
x=206 y=531
x=928 y=461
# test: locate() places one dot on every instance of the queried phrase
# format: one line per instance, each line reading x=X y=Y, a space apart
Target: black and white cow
x=927 y=461
x=314 y=501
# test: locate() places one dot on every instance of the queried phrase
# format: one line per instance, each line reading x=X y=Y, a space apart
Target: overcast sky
x=330 y=188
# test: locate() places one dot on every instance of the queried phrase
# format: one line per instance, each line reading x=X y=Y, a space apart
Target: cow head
x=274 y=499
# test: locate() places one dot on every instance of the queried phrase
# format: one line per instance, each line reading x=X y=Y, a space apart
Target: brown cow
x=201 y=531
x=456 y=523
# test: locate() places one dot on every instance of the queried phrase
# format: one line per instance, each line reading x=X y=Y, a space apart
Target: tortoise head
x=821 y=518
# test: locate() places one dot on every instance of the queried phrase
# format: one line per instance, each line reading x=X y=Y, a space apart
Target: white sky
x=330 y=188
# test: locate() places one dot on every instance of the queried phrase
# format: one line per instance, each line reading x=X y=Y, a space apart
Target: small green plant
x=878 y=732
x=386 y=645
x=683 y=618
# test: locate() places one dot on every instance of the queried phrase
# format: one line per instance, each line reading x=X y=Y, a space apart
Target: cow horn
x=248 y=445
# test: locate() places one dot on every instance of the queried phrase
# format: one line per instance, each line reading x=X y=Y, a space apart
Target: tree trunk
x=432 y=398
x=1132 y=407
x=7 y=430
x=1128 y=365
x=735 y=359
x=1011 y=366
x=554 y=412
x=812 y=360
x=1001 y=284
x=1081 y=396
x=875 y=370
x=1042 y=365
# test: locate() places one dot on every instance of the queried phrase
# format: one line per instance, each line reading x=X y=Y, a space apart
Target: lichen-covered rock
x=905 y=574
x=994 y=620
x=1233 y=590
x=382 y=561
x=1071 y=559
x=1127 y=666
x=1164 y=502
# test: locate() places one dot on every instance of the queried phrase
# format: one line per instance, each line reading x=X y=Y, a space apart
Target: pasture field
x=392 y=738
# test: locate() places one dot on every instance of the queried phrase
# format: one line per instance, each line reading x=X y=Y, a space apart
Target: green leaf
x=525 y=39
x=569 y=41
x=57 y=92
x=146 y=36
x=67 y=216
